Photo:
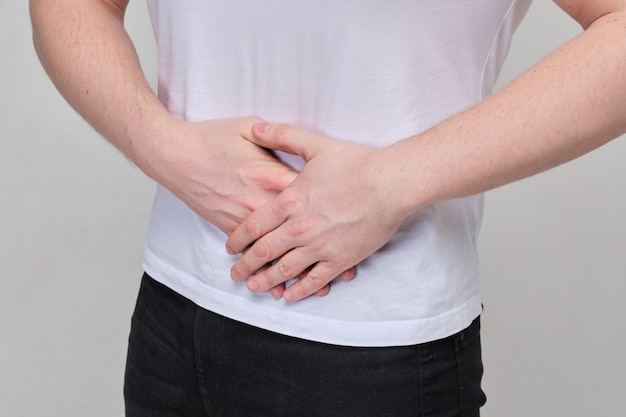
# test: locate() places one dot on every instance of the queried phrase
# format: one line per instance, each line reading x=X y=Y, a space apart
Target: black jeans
x=187 y=361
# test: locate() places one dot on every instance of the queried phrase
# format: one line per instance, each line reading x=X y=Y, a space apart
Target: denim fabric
x=187 y=361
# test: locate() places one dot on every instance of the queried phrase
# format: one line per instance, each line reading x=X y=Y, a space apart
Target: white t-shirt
x=368 y=71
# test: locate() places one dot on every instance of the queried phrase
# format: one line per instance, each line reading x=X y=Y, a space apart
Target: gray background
x=73 y=216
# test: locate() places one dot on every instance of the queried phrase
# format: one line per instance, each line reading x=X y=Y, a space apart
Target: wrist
x=154 y=142
x=405 y=182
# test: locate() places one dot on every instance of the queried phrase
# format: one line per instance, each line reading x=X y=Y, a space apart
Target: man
x=391 y=137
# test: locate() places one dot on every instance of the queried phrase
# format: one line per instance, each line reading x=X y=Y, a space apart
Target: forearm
x=570 y=103
x=89 y=56
x=208 y=165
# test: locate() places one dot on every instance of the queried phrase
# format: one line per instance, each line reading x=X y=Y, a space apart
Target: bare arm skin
x=210 y=166
x=87 y=53
x=568 y=104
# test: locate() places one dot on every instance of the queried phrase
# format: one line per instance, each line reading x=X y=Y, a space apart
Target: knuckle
x=261 y=251
x=252 y=228
x=339 y=259
x=316 y=280
x=321 y=247
x=288 y=200
x=299 y=228
x=334 y=257
x=286 y=269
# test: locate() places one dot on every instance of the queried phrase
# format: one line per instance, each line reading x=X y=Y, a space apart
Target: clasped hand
x=336 y=213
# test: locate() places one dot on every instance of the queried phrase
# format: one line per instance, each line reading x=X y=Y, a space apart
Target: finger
x=315 y=280
x=286 y=138
x=277 y=182
x=277 y=291
x=324 y=291
x=263 y=220
x=272 y=246
x=348 y=275
x=255 y=260
x=260 y=222
x=273 y=177
x=292 y=265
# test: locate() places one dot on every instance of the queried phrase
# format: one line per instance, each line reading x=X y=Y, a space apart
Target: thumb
x=286 y=138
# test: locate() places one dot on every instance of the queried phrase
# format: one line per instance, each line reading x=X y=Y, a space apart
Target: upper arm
x=586 y=12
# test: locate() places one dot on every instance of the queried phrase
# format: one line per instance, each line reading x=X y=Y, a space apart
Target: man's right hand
x=216 y=171
x=208 y=165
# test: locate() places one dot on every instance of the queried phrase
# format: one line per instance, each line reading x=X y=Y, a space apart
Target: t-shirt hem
x=314 y=328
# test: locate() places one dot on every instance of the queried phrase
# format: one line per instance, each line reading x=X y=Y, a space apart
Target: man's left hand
x=336 y=213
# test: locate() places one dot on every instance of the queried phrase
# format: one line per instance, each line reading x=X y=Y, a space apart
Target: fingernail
x=261 y=127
